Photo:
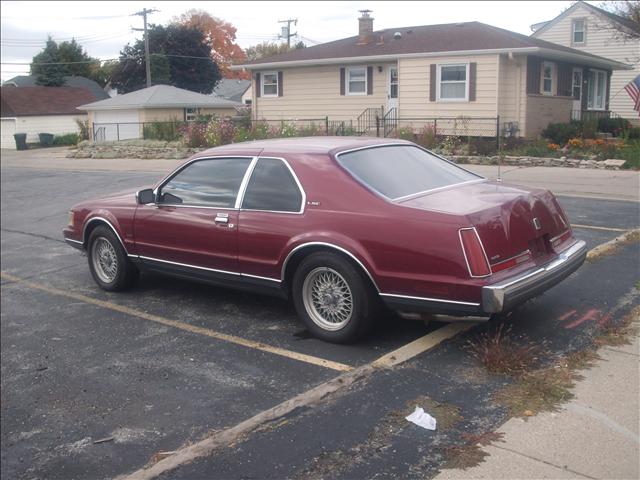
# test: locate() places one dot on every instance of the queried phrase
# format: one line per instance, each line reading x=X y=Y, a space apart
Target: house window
x=452 y=82
x=577 y=84
x=357 y=81
x=578 y=31
x=596 y=89
x=190 y=114
x=547 y=77
x=270 y=84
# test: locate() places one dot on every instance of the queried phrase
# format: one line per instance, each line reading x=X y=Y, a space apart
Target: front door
x=392 y=88
x=194 y=223
x=576 y=110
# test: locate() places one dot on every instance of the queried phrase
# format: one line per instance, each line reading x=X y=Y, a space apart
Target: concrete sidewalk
x=595 y=435
x=580 y=182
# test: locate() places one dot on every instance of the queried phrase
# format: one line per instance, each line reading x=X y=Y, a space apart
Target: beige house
x=123 y=117
x=596 y=31
x=473 y=74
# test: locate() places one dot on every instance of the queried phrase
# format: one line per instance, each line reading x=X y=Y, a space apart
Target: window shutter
x=369 y=80
x=280 y=83
x=533 y=74
x=432 y=82
x=342 y=80
x=258 y=85
x=473 y=67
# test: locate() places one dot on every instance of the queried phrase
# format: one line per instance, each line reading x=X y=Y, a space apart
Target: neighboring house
x=464 y=69
x=34 y=110
x=232 y=89
x=70 y=81
x=593 y=30
x=123 y=116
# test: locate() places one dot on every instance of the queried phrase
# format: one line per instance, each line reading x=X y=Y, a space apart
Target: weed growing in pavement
x=501 y=353
x=470 y=453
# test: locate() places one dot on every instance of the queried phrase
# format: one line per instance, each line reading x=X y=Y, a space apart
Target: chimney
x=365 y=30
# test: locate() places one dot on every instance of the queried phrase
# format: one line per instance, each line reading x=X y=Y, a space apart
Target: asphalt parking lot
x=170 y=363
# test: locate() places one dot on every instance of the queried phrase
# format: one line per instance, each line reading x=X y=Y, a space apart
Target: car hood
x=124 y=198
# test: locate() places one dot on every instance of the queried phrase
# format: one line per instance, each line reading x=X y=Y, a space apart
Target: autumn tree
x=268 y=49
x=179 y=57
x=220 y=36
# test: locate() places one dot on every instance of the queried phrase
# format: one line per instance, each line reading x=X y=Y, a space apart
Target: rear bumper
x=502 y=297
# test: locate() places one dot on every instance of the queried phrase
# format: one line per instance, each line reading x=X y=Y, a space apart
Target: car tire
x=110 y=267
x=334 y=299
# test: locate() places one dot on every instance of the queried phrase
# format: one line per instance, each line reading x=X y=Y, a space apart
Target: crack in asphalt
x=37 y=235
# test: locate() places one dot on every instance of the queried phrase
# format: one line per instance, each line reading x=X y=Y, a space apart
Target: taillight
x=474 y=253
x=511 y=262
x=560 y=238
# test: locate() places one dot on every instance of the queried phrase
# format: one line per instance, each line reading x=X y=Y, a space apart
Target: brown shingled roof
x=451 y=37
x=24 y=101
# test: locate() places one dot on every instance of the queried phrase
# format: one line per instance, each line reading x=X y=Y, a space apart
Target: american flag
x=633 y=89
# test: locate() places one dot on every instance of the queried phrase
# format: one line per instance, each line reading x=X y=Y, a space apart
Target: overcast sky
x=103 y=28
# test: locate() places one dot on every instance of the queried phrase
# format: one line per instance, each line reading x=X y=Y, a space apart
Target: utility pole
x=143 y=14
x=286 y=31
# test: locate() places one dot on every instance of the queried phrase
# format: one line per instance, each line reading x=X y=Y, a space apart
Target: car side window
x=272 y=187
x=209 y=183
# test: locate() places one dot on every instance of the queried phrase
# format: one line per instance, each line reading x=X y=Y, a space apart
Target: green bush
x=631 y=153
x=614 y=126
x=167 y=131
x=67 y=139
x=482 y=146
x=83 y=128
x=560 y=133
x=632 y=133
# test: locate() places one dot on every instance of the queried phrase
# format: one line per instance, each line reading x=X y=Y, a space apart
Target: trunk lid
x=510 y=219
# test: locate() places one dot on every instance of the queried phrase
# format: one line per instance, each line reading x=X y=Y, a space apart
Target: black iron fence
x=245 y=128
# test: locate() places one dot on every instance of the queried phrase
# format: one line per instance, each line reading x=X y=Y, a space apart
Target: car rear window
x=398 y=171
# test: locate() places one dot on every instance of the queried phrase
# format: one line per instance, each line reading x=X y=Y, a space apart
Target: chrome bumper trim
x=74 y=243
x=502 y=296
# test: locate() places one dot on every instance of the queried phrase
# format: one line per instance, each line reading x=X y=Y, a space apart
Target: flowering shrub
x=575 y=143
x=553 y=146
x=220 y=131
x=193 y=134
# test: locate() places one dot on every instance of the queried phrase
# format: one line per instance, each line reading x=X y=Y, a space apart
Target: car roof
x=299 y=145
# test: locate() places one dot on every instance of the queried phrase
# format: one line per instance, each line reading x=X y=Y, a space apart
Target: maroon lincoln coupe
x=339 y=224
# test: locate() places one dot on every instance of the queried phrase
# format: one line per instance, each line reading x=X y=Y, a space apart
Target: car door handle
x=222 y=218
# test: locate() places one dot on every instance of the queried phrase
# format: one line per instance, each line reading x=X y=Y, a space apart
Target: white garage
x=7 y=129
x=113 y=125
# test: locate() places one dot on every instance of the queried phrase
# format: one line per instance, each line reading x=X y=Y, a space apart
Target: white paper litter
x=422 y=419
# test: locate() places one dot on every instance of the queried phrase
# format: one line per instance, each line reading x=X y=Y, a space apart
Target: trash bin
x=46 y=139
x=21 y=141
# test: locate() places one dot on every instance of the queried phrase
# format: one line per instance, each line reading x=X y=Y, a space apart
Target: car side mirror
x=145 y=196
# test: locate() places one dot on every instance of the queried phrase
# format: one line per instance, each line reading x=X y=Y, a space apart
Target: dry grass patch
x=501 y=353
x=470 y=453
x=617 y=333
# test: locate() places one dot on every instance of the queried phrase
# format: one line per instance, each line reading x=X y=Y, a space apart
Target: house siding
x=512 y=101
x=314 y=92
x=415 y=79
x=33 y=125
x=606 y=43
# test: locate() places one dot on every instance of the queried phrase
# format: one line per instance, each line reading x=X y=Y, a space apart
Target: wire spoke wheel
x=104 y=259
x=327 y=298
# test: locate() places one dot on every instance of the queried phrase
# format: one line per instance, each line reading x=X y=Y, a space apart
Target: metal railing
x=369 y=120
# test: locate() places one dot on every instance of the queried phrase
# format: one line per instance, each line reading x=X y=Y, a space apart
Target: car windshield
x=398 y=171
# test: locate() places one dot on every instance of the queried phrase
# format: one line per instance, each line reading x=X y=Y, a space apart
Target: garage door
x=114 y=125
x=8 y=128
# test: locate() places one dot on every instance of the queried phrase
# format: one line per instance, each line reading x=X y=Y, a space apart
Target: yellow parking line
x=606 y=229
x=301 y=357
x=422 y=344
